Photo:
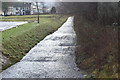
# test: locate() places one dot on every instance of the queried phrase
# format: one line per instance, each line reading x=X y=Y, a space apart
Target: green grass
x=19 y=40
x=19 y=30
x=28 y=18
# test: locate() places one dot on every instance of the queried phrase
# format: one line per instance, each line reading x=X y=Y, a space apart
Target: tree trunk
x=37 y=11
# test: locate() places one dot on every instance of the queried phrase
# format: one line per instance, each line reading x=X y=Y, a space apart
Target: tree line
x=105 y=13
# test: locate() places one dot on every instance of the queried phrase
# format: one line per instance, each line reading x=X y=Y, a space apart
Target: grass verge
x=28 y=18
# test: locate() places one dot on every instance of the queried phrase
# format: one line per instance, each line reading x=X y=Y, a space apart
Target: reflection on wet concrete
x=8 y=25
x=52 y=57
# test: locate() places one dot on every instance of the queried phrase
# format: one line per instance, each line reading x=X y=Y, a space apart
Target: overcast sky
x=27 y=0
x=59 y=0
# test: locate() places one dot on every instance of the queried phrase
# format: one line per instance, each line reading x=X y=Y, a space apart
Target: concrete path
x=8 y=25
x=52 y=57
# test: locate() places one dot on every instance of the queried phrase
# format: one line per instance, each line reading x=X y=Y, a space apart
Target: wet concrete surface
x=53 y=57
x=8 y=25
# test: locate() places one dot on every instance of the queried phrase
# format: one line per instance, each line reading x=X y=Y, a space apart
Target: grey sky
x=27 y=0
x=60 y=0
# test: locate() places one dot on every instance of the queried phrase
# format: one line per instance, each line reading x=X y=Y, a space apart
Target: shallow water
x=53 y=57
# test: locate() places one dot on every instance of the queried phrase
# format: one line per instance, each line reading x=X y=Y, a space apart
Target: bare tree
x=105 y=13
x=5 y=8
x=37 y=10
x=38 y=5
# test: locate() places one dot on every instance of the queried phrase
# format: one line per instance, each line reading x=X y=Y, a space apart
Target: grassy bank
x=97 y=51
x=18 y=41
